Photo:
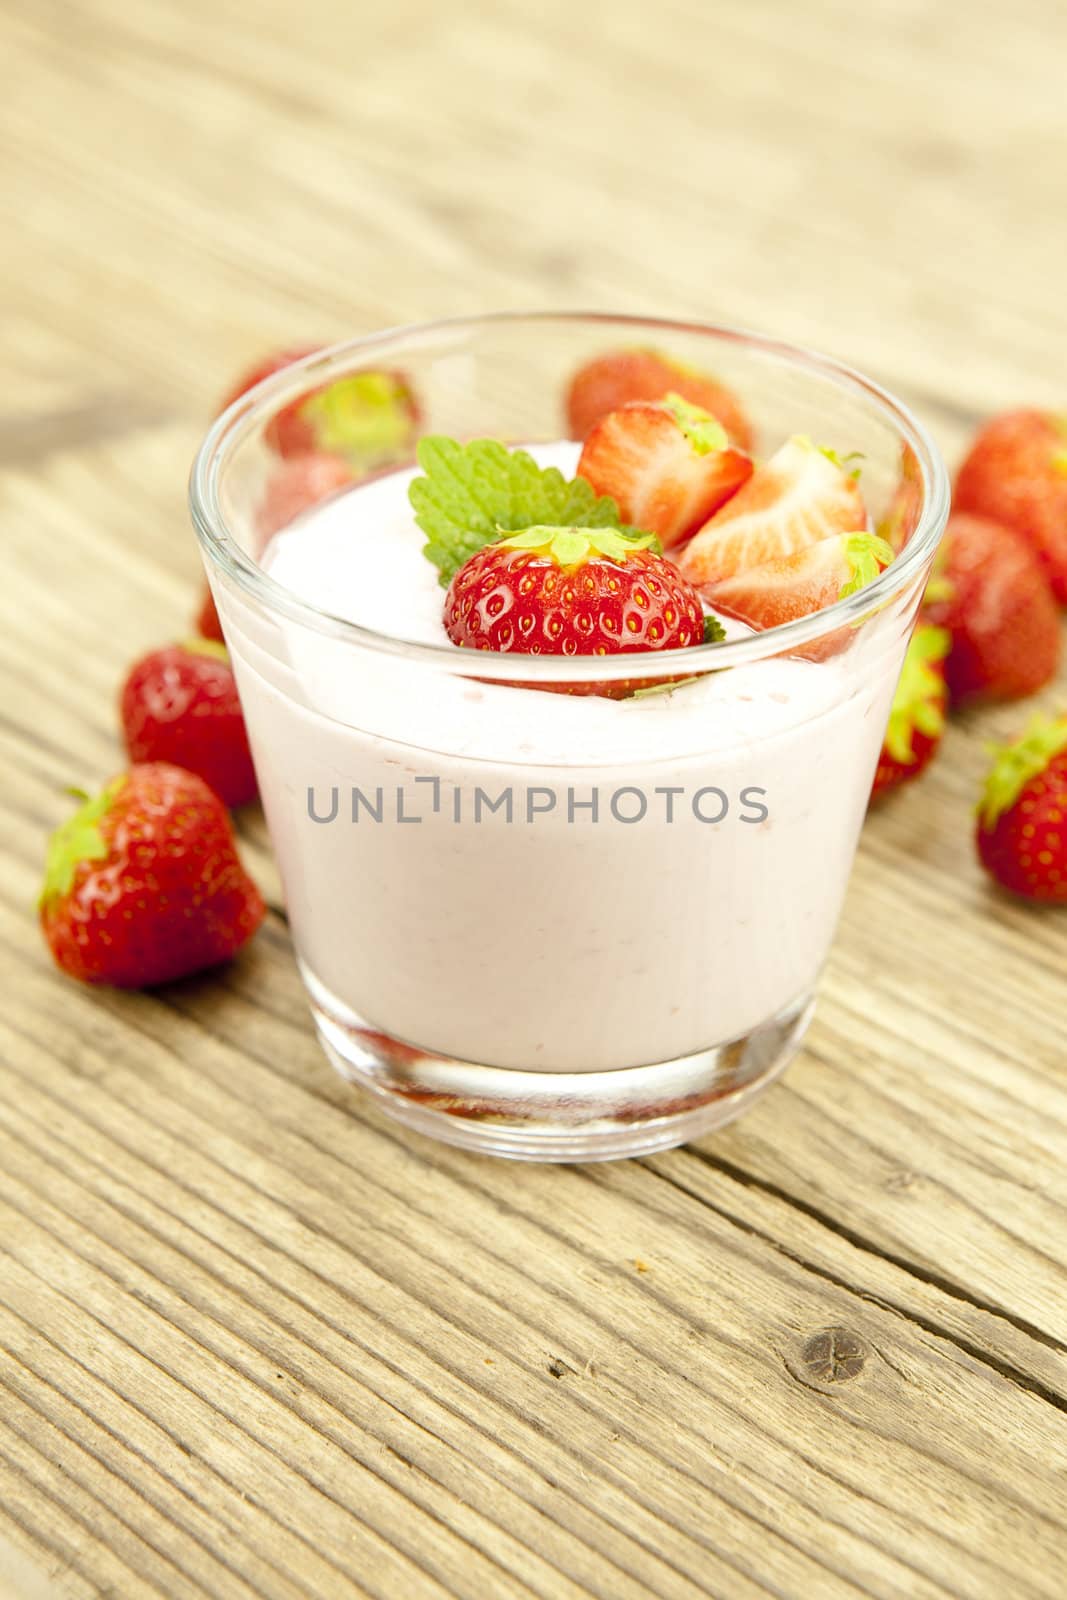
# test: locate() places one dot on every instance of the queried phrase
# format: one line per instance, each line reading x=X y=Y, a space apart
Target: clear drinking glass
x=552 y=925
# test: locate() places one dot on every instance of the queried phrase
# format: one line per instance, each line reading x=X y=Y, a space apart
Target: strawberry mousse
x=563 y=765
x=693 y=899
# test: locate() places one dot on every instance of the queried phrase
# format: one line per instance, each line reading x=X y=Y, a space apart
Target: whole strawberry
x=1022 y=816
x=901 y=516
x=1016 y=473
x=572 y=592
x=917 y=719
x=368 y=418
x=180 y=704
x=990 y=591
x=621 y=376
x=208 y=625
x=143 y=884
x=294 y=486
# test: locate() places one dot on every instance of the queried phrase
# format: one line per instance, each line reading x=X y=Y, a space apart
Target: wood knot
x=833 y=1355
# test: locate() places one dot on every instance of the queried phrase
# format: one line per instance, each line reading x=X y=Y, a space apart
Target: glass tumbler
x=533 y=918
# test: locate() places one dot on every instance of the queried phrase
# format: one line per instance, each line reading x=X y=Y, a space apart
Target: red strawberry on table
x=668 y=465
x=572 y=592
x=296 y=485
x=1016 y=473
x=266 y=368
x=917 y=719
x=208 y=625
x=801 y=495
x=1021 y=831
x=143 y=884
x=620 y=376
x=905 y=507
x=291 y=488
x=786 y=587
x=180 y=704
x=991 y=593
x=368 y=418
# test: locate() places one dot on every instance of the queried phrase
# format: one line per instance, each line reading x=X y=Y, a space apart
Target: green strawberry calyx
x=866 y=554
x=1059 y=454
x=919 y=701
x=207 y=647
x=569 y=547
x=366 y=418
x=704 y=432
x=834 y=457
x=841 y=461
x=1015 y=765
x=78 y=839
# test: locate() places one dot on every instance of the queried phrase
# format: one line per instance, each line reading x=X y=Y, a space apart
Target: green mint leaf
x=867 y=554
x=704 y=432
x=469 y=494
x=1015 y=764
x=367 y=418
x=714 y=632
x=76 y=840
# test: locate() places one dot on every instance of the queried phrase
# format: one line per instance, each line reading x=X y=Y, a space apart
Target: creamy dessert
x=568 y=882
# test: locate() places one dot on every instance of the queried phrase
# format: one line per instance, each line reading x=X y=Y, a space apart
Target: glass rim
x=233 y=425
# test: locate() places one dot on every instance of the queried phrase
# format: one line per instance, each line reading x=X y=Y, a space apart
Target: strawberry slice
x=809 y=579
x=668 y=466
x=799 y=497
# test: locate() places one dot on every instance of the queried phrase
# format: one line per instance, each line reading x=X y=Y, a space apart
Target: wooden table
x=254 y=1340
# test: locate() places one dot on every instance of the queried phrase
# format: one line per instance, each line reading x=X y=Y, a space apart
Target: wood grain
x=255 y=1341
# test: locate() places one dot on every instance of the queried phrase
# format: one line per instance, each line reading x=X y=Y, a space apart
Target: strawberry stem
x=1015 y=764
x=867 y=554
x=569 y=547
x=919 y=701
x=704 y=432
x=76 y=840
x=207 y=647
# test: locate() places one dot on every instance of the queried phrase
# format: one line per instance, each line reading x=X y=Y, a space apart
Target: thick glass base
x=546 y=1116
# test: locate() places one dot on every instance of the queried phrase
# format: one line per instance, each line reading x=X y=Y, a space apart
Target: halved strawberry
x=800 y=496
x=668 y=466
x=809 y=579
